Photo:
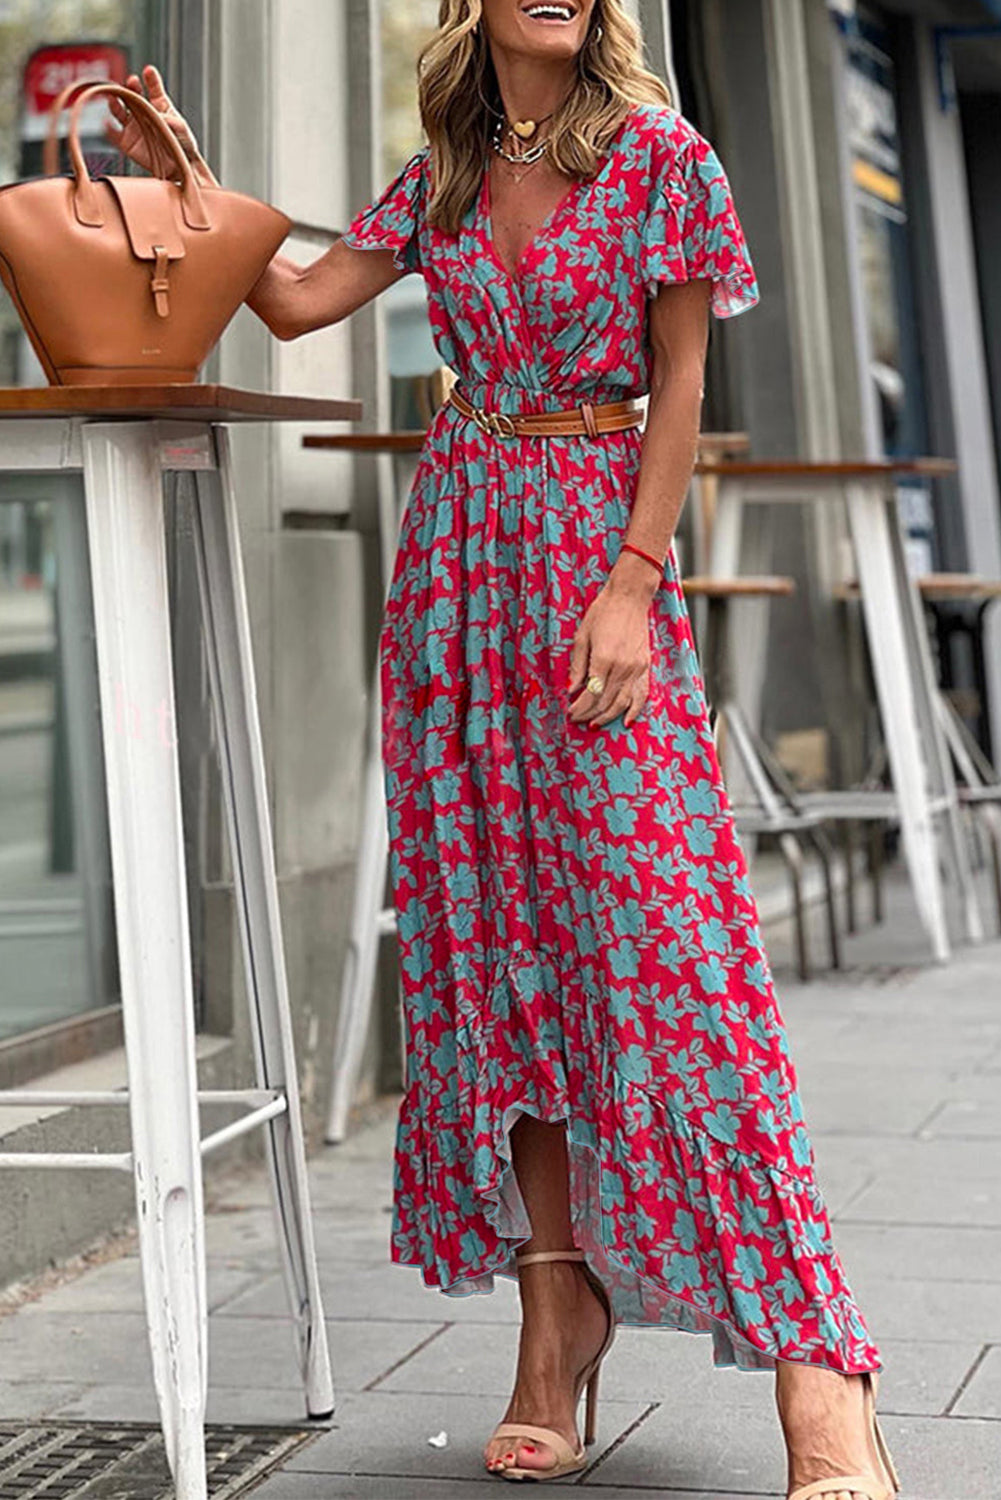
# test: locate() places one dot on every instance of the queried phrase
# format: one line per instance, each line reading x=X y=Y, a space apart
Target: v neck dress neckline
x=485 y=213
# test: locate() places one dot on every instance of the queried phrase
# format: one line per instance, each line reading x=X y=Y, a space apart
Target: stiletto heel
x=872 y=1489
x=591 y=1410
x=568 y=1461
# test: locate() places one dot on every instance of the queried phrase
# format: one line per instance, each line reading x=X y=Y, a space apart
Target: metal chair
x=777 y=808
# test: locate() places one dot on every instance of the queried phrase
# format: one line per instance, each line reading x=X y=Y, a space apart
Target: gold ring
x=595 y=685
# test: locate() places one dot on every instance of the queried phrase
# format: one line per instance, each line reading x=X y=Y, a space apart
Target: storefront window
x=404 y=29
x=56 y=934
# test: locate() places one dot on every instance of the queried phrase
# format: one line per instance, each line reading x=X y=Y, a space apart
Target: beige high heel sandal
x=858 y=1482
x=568 y=1461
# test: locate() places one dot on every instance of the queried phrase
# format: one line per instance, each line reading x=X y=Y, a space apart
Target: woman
x=599 y=1098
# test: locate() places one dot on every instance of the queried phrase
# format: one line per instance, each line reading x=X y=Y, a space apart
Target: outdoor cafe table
x=114 y=446
x=921 y=770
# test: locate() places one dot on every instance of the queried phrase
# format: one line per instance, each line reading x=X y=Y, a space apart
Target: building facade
x=863 y=146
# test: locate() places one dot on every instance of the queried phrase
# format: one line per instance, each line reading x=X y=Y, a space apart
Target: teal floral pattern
x=577 y=936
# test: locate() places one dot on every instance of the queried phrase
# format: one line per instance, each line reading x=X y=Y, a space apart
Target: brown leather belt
x=584 y=420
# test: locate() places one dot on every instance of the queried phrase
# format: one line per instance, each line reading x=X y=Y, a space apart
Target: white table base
x=123 y=465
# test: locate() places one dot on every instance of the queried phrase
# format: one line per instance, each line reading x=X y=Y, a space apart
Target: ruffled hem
x=699 y=1237
x=402 y=250
x=692 y=231
x=637 y=1300
x=393 y=221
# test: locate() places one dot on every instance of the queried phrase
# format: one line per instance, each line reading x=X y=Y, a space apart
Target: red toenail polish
x=528 y=1448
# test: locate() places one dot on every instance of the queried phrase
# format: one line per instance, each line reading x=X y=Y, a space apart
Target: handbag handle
x=87 y=202
x=50 y=152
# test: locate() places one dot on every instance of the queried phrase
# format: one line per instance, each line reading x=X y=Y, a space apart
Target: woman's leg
x=823 y=1420
x=563 y=1324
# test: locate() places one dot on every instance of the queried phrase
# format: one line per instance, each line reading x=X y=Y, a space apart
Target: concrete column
x=958 y=333
x=654 y=17
x=806 y=271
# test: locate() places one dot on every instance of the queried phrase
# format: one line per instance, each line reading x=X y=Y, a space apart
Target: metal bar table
x=121 y=443
x=920 y=766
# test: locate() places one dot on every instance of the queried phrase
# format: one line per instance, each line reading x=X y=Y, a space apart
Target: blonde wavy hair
x=456 y=75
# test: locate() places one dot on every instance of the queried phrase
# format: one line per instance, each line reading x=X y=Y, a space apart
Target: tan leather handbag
x=130 y=280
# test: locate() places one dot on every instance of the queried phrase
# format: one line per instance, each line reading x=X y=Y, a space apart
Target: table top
x=798 y=468
x=199 y=403
x=411 y=440
x=939 y=587
x=710 y=443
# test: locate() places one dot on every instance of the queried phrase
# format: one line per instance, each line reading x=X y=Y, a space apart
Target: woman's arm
x=291 y=299
x=612 y=640
x=679 y=335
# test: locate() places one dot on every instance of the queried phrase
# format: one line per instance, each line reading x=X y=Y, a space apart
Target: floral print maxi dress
x=577 y=936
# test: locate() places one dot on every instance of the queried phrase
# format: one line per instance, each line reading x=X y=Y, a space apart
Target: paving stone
x=107 y=1402
x=116 y=1286
x=251 y=1354
x=921 y=1377
x=381 y=1291
x=921 y=1251
x=856 y=1097
x=81 y=1349
x=977 y=1119
x=386 y=1433
x=930 y=1311
x=948 y=1201
x=982 y=1396
x=288 y=1486
x=898 y=1045
x=644 y=1364
x=119 y=1403
x=724 y=1445
x=902 y=1156
x=26 y=1400
x=248 y=1234
x=945 y=1458
x=840 y=1181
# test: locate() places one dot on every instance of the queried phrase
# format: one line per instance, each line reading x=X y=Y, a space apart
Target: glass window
x=404 y=30
x=57 y=951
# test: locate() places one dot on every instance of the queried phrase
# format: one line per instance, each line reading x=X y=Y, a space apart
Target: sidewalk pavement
x=900 y=1072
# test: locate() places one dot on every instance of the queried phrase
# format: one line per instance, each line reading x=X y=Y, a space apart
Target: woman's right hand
x=125 y=134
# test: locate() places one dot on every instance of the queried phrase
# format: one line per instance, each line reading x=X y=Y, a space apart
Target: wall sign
x=46 y=73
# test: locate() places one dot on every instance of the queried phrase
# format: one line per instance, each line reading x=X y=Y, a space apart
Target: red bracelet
x=628 y=547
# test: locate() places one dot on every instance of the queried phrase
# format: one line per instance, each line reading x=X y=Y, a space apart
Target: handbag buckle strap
x=159 y=281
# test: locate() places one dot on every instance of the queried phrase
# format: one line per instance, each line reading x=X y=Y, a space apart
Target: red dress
x=578 y=939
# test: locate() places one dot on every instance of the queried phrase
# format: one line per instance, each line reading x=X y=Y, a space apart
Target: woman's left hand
x=612 y=642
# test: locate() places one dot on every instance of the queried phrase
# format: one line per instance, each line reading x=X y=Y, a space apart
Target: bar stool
x=777 y=809
x=957 y=603
x=115 y=447
x=925 y=797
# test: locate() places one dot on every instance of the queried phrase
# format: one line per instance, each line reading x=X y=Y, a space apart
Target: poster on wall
x=47 y=72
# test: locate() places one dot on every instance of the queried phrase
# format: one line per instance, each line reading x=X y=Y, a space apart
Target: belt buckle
x=497 y=423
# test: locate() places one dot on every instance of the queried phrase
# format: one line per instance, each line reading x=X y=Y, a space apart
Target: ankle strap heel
x=543 y=1255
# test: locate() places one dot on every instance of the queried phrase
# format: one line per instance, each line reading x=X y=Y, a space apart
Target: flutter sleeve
x=692 y=230
x=394 y=220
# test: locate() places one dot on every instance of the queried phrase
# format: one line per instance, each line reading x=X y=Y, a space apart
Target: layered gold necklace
x=524 y=158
